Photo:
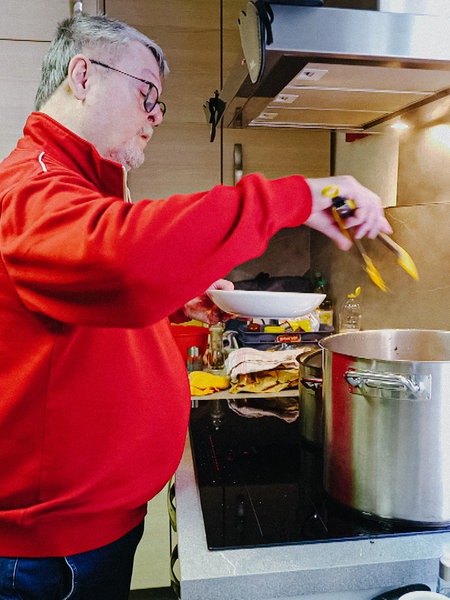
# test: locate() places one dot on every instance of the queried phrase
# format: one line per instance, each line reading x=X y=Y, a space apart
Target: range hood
x=334 y=68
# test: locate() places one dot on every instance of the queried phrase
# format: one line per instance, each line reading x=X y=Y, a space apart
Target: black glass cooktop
x=260 y=485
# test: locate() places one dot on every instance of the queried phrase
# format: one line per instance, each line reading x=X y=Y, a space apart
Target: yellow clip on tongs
x=343 y=208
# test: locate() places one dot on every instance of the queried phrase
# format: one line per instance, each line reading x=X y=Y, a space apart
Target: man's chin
x=134 y=162
x=129 y=160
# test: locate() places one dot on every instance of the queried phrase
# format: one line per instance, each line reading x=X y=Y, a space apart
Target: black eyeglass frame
x=151 y=86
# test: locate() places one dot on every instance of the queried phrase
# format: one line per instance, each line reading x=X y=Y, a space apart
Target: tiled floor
x=153 y=594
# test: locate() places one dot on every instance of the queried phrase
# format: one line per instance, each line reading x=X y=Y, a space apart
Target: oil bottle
x=350 y=316
x=325 y=310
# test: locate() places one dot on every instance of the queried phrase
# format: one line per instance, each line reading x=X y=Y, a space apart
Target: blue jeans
x=101 y=574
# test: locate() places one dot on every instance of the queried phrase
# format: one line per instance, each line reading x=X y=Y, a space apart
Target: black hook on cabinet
x=214 y=108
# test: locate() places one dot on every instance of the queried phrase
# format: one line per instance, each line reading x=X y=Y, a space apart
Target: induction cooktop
x=261 y=485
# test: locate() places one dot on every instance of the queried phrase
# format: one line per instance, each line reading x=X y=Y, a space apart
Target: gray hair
x=83 y=32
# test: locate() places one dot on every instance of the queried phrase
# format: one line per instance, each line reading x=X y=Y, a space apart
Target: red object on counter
x=190 y=335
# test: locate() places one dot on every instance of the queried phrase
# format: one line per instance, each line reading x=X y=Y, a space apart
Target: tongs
x=343 y=208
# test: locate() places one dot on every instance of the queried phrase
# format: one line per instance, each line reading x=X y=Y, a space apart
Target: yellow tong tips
x=370 y=268
x=345 y=207
x=403 y=258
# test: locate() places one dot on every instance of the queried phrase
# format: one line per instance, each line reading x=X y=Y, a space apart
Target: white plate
x=265 y=305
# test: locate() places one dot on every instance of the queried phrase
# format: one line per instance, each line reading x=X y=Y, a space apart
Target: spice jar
x=216 y=358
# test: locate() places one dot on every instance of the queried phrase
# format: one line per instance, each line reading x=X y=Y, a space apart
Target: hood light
x=400 y=126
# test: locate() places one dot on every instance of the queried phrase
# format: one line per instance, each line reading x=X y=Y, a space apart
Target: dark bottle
x=325 y=311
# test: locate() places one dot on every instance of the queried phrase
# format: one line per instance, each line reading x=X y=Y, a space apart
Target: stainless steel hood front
x=335 y=68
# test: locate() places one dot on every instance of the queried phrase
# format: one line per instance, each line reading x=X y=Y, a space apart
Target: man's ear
x=77 y=76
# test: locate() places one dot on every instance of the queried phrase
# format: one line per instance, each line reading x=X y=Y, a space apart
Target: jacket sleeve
x=80 y=257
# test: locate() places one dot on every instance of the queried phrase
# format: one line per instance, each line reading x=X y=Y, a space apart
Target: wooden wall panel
x=26 y=29
x=189 y=35
x=32 y=20
x=179 y=158
x=20 y=69
x=276 y=152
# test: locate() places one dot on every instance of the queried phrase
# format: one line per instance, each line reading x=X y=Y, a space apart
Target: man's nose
x=157 y=115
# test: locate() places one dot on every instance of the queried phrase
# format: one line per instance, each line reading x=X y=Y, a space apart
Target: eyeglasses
x=152 y=96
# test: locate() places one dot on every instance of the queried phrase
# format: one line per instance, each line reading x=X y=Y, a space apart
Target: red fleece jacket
x=95 y=399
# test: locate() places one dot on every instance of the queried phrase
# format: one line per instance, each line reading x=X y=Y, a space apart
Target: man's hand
x=368 y=219
x=203 y=309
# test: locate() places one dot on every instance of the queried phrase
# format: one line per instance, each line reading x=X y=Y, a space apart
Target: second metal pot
x=310 y=395
x=387 y=422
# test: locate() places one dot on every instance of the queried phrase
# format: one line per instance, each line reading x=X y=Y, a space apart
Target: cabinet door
x=180 y=157
x=26 y=29
x=20 y=70
x=152 y=560
x=35 y=20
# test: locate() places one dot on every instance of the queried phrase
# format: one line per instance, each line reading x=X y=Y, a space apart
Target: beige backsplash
x=420 y=219
x=425 y=304
x=412 y=175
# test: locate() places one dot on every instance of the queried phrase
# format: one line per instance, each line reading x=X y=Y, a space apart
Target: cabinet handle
x=174 y=581
x=237 y=156
x=171 y=508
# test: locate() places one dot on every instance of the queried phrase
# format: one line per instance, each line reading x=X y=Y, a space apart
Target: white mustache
x=147 y=133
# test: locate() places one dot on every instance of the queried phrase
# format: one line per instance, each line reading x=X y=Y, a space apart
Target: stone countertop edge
x=347 y=570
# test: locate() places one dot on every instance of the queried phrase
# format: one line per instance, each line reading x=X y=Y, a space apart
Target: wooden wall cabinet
x=26 y=29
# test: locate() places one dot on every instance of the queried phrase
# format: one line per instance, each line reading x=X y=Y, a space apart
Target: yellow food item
x=272 y=380
x=302 y=324
x=274 y=329
x=202 y=383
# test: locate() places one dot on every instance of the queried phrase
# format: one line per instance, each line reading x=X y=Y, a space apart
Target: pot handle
x=311 y=383
x=389 y=381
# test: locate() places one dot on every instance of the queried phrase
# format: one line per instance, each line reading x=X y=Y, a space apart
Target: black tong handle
x=344 y=206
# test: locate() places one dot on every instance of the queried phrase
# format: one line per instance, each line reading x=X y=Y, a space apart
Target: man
x=95 y=397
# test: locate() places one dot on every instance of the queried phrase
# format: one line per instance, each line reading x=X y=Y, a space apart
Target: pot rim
x=331 y=344
x=306 y=356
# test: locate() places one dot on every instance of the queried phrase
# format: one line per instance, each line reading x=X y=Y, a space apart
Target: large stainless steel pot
x=310 y=394
x=386 y=398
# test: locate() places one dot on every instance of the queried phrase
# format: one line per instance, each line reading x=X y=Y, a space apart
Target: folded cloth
x=273 y=380
x=249 y=360
x=282 y=408
x=202 y=383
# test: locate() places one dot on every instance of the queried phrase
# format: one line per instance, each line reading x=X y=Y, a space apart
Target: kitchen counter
x=336 y=570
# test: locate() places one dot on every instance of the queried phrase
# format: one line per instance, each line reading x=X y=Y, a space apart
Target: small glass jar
x=194 y=360
x=216 y=354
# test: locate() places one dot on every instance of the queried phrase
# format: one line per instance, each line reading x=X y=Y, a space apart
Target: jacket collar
x=76 y=153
